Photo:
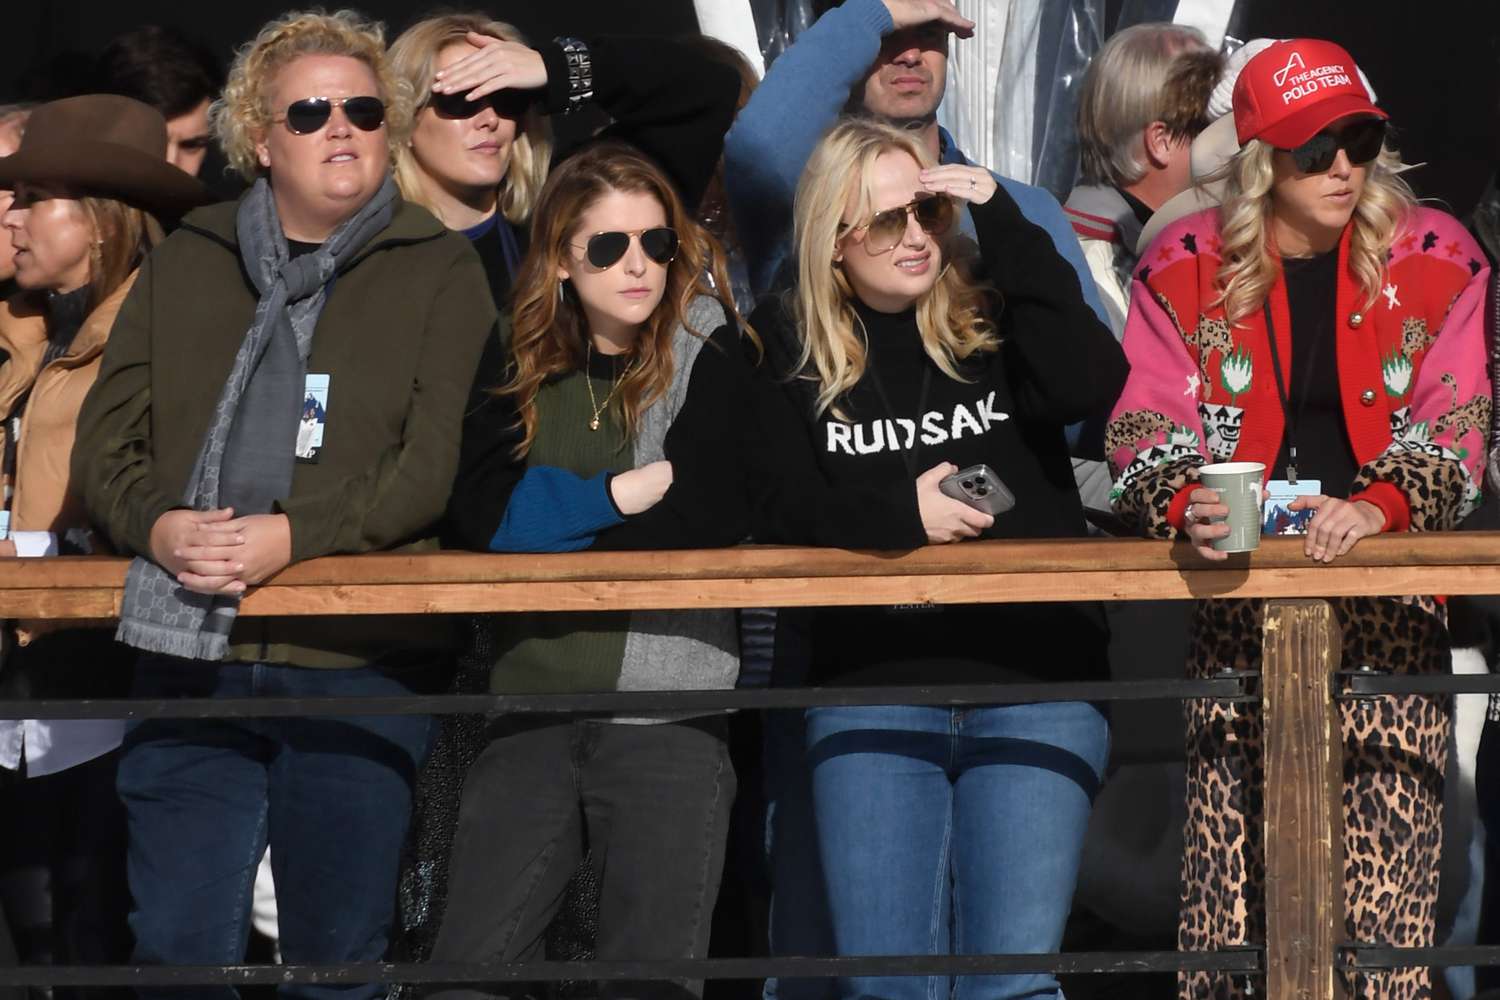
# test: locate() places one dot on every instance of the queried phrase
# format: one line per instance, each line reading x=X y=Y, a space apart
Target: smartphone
x=980 y=488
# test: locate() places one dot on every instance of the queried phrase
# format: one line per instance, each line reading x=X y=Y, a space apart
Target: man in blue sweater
x=887 y=58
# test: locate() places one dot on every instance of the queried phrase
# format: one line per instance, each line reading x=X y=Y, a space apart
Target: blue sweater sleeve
x=798 y=101
x=554 y=510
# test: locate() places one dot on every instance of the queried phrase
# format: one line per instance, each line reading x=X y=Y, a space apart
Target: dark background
x=1435 y=65
x=39 y=38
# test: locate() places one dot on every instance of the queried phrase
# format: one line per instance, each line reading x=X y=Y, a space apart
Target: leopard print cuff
x=1437 y=490
x=1145 y=501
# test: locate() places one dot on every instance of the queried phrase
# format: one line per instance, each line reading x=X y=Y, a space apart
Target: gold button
x=1355 y=319
x=1367 y=397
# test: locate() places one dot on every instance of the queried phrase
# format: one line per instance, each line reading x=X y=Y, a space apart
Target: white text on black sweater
x=901 y=434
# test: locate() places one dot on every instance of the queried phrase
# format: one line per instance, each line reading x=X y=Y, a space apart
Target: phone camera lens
x=967 y=484
x=979 y=480
x=983 y=491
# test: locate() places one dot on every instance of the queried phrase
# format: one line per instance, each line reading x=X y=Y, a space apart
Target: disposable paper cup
x=1238 y=486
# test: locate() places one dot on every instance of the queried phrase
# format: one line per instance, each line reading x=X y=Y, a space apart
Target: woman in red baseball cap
x=1321 y=323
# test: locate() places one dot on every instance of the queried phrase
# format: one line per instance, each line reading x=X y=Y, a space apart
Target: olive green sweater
x=399 y=338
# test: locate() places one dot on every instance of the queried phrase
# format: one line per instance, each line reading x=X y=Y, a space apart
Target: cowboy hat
x=104 y=144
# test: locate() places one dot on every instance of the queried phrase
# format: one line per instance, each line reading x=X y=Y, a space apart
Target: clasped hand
x=214 y=552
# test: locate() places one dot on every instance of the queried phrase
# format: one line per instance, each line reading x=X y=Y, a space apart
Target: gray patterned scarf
x=246 y=460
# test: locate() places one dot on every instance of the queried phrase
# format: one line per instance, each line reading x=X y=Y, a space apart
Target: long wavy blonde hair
x=243 y=112
x=951 y=317
x=413 y=56
x=548 y=328
x=1249 y=261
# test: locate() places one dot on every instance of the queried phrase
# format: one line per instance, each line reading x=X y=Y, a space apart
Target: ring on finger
x=1189 y=516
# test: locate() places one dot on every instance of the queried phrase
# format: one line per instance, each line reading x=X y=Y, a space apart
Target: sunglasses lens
x=1316 y=154
x=505 y=103
x=606 y=249
x=660 y=244
x=453 y=106
x=510 y=103
x=886 y=229
x=308 y=115
x=934 y=214
x=365 y=113
x=1363 y=141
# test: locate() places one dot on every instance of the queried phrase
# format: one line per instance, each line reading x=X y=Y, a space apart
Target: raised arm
x=800 y=98
x=1064 y=363
x=668 y=98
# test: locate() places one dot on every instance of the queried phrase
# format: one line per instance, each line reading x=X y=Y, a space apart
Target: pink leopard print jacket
x=1413 y=380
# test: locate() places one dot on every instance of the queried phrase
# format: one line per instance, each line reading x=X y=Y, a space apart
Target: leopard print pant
x=1394 y=752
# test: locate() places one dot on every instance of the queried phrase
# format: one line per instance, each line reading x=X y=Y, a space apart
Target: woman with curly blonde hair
x=940 y=831
x=1322 y=324
x=320 y=291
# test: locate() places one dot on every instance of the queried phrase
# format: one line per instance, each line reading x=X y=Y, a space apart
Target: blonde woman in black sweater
x=901 y=370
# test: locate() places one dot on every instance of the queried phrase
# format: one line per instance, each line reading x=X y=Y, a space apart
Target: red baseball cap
x=1294 y=89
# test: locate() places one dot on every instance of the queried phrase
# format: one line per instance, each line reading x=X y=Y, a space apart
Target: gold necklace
x=588 y=381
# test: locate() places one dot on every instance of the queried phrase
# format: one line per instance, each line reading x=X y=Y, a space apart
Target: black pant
x=650 y=802
x=62 y=863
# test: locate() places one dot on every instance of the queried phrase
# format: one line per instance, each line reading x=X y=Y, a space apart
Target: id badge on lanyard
x=1280 y=519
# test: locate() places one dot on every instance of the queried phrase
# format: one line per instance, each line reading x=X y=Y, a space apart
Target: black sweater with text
x=1057 y=365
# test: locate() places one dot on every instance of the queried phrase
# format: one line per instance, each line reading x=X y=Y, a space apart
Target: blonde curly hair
x=413 y=57
x=1248 y=254
x=242 y=115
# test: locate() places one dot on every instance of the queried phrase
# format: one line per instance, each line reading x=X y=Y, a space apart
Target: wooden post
x=1303 y=796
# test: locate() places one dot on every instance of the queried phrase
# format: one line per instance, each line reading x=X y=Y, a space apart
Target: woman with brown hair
x=621 y=357
x=90 y=180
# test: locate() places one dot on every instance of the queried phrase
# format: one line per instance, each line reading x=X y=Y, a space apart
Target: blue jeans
x=332 y=796
x=953 y=831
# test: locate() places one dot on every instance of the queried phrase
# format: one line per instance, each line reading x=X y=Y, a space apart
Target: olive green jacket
x=399 y=338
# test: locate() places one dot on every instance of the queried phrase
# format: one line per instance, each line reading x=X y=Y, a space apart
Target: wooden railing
x=770 y=576
x=1304 y=896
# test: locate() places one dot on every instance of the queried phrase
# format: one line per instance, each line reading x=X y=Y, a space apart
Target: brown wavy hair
x=123 y=236
x=548 y=328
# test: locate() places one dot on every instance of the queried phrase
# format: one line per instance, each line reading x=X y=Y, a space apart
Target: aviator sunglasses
x=604 y=250
x=1361 y=140
x=934 y=213
x=311 y=113
x=505 y=103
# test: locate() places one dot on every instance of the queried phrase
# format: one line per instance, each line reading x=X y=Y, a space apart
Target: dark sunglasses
x=1361 y=140
x=505 y=103
x=934 y=213
x=311 y=113
x=604 y=250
